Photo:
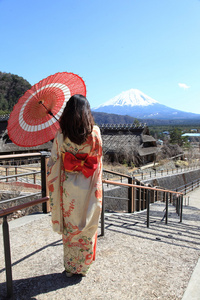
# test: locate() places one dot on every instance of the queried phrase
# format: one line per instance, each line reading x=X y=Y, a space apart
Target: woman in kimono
x=75 y=184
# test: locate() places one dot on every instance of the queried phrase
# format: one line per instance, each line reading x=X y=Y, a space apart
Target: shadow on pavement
x=29 y=288
x=176 y=233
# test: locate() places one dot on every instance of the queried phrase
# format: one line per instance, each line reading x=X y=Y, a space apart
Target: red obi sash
x=82 y=162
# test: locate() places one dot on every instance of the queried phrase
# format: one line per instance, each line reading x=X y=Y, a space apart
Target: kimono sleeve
x=54 y=173
x=97 y=150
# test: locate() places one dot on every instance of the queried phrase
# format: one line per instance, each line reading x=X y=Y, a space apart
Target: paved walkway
x=193 y=290
x=133 y=262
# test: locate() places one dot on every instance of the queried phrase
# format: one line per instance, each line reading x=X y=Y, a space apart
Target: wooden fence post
x=171 y=197
x=103 y=214
x=139 y=199
x=181 y=208
x=148 y=208
x=6 y=174
x=7 y=255
x=166 y=217
x=131 y=202
x=34 y=178
x=45 y=191
x=16 y=172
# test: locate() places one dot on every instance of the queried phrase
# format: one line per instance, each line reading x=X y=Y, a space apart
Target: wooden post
x=156 y=196
x=16 y=172
x=45 y=191
x=7 y=255
x=34 y=178
x=181 y=208
x=139 y=199
x=148 y=208
x=171 y=195
x=166 y=217
x=178 y=205
x=131 y=202
x=144 y=199
x=102 y=214
x=6 y=174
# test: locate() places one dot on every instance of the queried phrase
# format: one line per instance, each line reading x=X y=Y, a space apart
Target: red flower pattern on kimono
x=71 y=196
x=98 y=193
x=51 y=188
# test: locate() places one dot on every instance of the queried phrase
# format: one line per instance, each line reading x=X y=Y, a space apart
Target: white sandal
x=69 y=274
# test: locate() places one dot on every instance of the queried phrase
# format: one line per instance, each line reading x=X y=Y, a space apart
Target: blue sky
x=114 y=45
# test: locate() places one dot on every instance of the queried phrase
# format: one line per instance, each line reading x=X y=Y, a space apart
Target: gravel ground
x=132 y=261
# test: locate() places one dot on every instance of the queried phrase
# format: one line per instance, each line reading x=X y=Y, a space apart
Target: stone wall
x=116 y=205
x=172 y=182
x=20 y=213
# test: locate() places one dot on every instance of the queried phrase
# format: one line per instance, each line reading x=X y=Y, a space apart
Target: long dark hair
x=76 y=121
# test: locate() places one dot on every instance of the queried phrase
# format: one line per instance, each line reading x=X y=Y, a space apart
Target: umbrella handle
x=49 y=112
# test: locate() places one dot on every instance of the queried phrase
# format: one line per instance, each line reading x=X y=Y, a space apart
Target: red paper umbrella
x=34 y=119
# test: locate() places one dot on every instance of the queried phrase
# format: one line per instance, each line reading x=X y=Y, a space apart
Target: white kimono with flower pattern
x=75 y=201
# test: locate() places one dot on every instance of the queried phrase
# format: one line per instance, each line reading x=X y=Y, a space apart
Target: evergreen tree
x=3 y=103
x=12 y=87
x=176 y=137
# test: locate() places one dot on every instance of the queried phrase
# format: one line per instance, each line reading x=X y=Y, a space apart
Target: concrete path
x=133 y=261
x=193 y=290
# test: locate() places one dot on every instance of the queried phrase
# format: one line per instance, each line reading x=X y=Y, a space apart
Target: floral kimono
x=75 y=191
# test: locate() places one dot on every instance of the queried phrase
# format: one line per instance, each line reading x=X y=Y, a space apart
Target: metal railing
x=130 y=180
x=188 y=187
x=4 y=213
x=162 y=173
x=16 y=172
x=139 y=201
x=137 y=194
x=12 y=163
x=149 y=195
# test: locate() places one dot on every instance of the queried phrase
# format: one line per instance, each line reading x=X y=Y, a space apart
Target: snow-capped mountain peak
x=132 y=97
x=138 y=105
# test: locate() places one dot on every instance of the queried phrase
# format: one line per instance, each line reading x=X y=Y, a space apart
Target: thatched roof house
x=123 y=143
x=3 y=124
x=128 y=143
x=6 y=145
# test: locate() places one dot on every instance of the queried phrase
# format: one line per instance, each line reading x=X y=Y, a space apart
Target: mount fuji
x=138 y=105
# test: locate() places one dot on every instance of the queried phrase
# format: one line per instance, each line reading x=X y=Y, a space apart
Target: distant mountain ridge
x=136 y=104
x=105 y=118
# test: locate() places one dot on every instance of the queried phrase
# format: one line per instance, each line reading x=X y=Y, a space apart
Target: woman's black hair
x=76 y=121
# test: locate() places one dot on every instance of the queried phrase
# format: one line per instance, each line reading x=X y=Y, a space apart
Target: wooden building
x=128 y=143
x=6 y=145
x=123 y=143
